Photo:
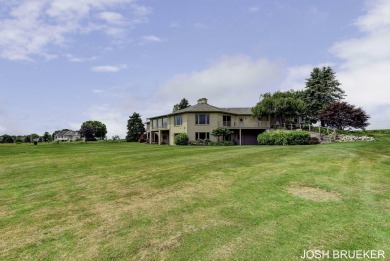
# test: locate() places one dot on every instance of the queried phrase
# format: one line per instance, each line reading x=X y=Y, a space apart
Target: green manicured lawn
x=130 y=201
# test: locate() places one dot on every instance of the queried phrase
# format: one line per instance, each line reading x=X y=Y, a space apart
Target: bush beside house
x=284 y=138
x=181 y=139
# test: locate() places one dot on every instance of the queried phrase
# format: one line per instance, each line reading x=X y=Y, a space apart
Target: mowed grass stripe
x=143 y=202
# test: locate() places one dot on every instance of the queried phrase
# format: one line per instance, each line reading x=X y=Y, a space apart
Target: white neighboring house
x=67 y=136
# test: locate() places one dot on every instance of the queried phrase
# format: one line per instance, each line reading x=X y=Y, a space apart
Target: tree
x=46 y=137
x=181 y=105
x=181 y=139
x=95 y=130
x=7 y=139
x=27 y=138
x=34 y=136
x=287 y=105
x=135 y=127
x=322 y=89
x=341 y=115
x=221 y=132
x=87 y=132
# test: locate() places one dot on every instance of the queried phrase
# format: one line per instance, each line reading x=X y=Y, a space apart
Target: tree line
x=320 y=101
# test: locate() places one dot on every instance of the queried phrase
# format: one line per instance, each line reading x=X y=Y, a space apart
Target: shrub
x=142 y=138
x=284 y=138
x=181 y=139
x=314 y=140
x=200 y=142
x=221 y=143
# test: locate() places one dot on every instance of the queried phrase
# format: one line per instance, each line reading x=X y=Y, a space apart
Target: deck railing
x=245 y=124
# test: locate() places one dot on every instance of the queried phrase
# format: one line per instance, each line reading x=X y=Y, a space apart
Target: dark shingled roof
x=239 y=111
x=202 y=107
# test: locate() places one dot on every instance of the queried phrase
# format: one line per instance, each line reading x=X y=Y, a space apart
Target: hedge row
x=284 y=138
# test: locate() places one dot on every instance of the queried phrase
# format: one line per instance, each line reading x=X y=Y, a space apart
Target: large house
x=67 y=135
x=198 y=121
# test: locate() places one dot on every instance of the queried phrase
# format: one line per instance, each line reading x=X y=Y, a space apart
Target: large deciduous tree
x=92 y=130
x=135 y=127
x=286 y=105
x=322 y=89
x=341 y=115
x=181 y=105
x=87 y=132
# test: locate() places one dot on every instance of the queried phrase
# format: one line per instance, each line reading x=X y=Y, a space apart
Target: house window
x=227 y=121
x=202 y=135
x=164 y=122
x=178 y=120
x=154 y=124
x=202 y=119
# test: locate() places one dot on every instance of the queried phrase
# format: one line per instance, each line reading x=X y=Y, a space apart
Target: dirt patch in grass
x=313 y=193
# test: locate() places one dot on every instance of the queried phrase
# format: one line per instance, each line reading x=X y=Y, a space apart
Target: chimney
x=202 y=101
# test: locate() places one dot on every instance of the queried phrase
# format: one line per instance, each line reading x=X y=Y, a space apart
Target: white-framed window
x=202 y=118
x=202 y=135
x=178 y=120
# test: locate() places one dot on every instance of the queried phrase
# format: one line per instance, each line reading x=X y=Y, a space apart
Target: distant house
x=198 y=121
x=67 y=136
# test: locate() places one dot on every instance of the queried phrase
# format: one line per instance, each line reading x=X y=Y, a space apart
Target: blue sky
x=65 y=62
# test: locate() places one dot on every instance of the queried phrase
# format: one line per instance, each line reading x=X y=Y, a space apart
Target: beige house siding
x=176 y=129
x=241 y=122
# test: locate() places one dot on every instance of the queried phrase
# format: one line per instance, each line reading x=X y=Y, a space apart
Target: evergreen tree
x=135 y=127
x=322 y=89
x=181 y=105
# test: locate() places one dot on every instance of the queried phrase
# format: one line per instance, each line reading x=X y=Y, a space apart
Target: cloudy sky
x=65 y=62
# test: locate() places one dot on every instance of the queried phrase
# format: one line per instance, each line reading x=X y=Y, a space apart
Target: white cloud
x=98 y=91
x=112 y=17
x=366 y=62
x=109 y=68
x=29 y=27
x=253 y=9
x=229 y=81
x=114 y=118
x=75 y=59
x=10 y=125
x=296 y=76
x=152 y=39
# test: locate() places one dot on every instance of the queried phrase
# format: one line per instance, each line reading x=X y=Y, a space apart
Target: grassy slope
x=123 y=201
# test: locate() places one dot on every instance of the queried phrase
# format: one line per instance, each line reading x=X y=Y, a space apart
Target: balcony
x=245 y=124
x=160 y=126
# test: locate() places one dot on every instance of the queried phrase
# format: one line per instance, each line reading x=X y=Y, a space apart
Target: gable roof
x=67 y=133
x=239 y=111
x=209 y=108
